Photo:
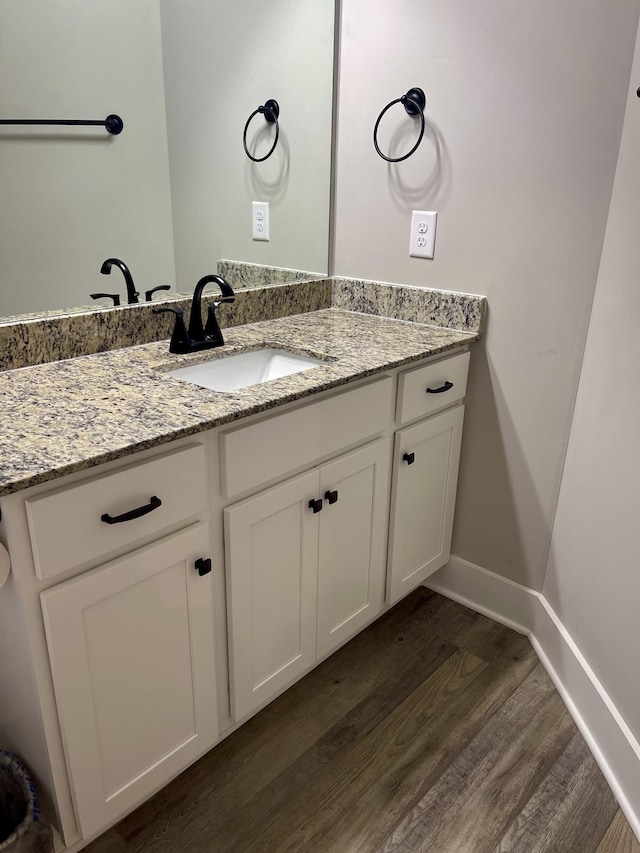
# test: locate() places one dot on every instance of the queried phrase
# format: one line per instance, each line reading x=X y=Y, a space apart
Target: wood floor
x=436 y=729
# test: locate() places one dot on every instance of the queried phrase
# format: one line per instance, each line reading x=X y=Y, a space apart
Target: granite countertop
x=64 y=416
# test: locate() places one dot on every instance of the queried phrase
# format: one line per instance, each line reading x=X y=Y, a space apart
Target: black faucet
x=196 y=337
x=132 y=293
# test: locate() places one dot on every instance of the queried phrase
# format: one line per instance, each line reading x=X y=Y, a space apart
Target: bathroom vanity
x=181 y=556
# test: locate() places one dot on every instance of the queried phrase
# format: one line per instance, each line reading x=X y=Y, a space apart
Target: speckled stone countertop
x=65 y=416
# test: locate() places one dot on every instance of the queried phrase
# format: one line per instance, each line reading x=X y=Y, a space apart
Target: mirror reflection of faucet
x=132 y=293
x=196 y=337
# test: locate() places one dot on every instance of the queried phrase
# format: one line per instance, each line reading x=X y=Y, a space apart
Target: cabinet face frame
x=85 y=673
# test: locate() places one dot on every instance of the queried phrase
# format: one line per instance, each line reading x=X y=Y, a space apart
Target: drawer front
x=70 y=526
x=432 y=387
x=270 y=449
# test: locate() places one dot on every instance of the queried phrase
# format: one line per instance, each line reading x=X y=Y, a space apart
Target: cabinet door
x=132 y=657
x=271 y=544
x=353 y=534
x=423 y=499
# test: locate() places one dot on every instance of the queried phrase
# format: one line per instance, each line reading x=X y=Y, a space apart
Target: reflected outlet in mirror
x=248 y=368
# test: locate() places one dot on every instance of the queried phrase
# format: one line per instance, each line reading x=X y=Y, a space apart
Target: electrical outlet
x=423 y=233
x=260 y=220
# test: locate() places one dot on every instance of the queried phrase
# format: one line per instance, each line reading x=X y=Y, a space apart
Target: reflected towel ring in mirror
x=413 y=102
x=271 y=111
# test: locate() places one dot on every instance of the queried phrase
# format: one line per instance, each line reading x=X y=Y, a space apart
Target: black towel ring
x=413 y=102
x=271 y=111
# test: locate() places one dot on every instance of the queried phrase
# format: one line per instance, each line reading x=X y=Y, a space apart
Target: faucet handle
x=180 y=340
x=114 y=296
x=225 y=289
x=148 y=294
x=212 y=329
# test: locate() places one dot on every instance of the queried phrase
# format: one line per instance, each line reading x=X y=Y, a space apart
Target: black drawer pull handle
x=331 y=497
x=203 y=566
x=138 y=512
x=316 y=505
x=446 y=387
x=409 y=458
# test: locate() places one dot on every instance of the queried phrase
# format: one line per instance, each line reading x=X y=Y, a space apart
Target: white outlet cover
x=260 y=220
x=423 y=233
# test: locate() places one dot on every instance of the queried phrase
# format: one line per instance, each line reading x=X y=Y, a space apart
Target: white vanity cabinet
x=131 y=648
x=305 y=570
x=425 y=471
x=131 y=658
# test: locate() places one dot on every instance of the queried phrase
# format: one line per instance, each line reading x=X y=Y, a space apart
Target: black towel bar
x=112 y=123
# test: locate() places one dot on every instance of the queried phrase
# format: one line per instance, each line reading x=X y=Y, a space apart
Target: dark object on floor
x=21 y=827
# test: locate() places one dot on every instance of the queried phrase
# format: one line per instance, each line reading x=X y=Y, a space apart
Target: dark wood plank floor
x=436 y=729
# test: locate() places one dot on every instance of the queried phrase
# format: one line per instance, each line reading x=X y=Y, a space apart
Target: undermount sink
x=247 y=368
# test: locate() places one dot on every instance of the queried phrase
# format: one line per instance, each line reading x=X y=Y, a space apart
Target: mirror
x=172 y=194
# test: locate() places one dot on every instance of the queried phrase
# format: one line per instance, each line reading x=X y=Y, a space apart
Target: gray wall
x=525 y=104
x=69 y=198
x=592 y=580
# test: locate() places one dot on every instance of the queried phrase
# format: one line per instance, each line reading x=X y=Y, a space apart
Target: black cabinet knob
x=315 y=505
x=203 y=566
x=331 y=497
x=409 y=458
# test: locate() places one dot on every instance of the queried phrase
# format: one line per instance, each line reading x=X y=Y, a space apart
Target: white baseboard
x=605 y=731
x=494 y=596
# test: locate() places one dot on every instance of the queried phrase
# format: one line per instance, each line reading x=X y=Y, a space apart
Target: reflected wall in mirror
x=172 y=194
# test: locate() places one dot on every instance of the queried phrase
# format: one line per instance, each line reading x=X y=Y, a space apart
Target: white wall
x=222 y=61
x=71 y=198
x=525 y=103
x=593 y=577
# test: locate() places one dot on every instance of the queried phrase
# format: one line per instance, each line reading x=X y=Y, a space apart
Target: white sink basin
x=244 y=369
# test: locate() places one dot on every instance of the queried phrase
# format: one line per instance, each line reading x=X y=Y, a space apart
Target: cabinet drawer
x=270 y=449
x=429 y=388
x=68 y=526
